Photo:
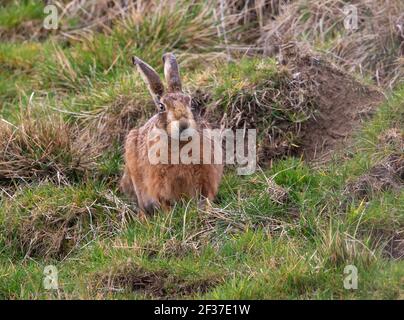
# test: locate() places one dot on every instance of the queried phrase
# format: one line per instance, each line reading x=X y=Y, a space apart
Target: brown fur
x=160 y=185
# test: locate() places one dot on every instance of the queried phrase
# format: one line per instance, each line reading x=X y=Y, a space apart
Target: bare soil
x=387 y=175
x=342 y=103
x=156 y=284
x=395 y=247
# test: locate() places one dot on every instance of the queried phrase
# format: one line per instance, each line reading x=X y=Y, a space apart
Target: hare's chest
x=178 y=181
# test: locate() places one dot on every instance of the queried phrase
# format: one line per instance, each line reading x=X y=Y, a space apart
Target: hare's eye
x=161 y=107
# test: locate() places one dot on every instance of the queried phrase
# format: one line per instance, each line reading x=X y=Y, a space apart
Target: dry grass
x=241 y=21
x=146 y=29
x=45 y=147
x=395 y=246
x=51 y=221
x=113 y=121
x=374 y=50
x=337 y=247
x=386 y=175
x=299 y=103
x=257 y=94
x=286 y=233
x=159 y=284
x=393 y=137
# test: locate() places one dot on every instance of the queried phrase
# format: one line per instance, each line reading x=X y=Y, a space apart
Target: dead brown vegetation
x=52 y=222
x=159 y=284
x=341 y=105
x=112 y=122
x=388 y=174
x=44 y=147
x=375 y=49
x=309 y=107
x=395 y=246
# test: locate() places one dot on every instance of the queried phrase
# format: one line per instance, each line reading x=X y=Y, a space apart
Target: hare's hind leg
x=126 y=185
x=209 y=190
x=147 y=204
x=210 y=184
x=150 y=206
x=208 y=194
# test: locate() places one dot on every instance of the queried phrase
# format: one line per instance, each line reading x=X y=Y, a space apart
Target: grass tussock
x=68 y=97
x=299 y=103
x=159 y=284
x=386 y=175
x=44 y=147
x=51 y=221
x=114 y=111
x=374 y=49
x=183 y=26
x=258 y=94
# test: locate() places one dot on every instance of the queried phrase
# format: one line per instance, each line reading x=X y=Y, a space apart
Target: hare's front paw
x=151 y=206
x=204 y=204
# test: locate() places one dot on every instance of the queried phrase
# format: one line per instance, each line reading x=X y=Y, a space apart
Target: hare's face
x=173 y=105
x=175 y=114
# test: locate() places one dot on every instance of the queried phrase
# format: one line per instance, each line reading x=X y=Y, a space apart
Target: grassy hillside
x=69 y=96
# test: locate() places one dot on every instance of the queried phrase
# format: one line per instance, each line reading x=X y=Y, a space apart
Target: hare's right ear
x=151 y=78
x=172 y=73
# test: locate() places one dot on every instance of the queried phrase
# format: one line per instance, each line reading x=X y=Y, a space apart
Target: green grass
x=16 y=12
x=244 y=76
x=248 y=246
x=261 y=251
x=73 y=67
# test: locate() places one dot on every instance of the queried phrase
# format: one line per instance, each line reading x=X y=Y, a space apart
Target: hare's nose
x=183 y=125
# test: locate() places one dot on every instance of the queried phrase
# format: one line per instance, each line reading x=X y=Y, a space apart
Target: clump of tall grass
x=258 y=94
x=374 y=49
x=15 y=12
x=174 y=26
x=50 y=221
x=44 y=146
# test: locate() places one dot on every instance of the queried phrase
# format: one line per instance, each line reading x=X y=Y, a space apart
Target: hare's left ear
x=151 y=78
x=172 y=73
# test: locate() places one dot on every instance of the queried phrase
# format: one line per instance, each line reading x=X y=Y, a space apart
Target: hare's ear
x=172 y=73
x=151 y=78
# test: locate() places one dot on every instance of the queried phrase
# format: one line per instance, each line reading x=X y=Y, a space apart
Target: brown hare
x=159 y=185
